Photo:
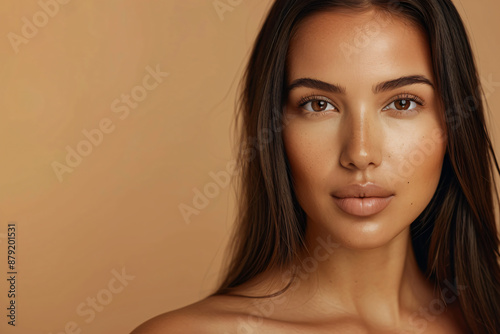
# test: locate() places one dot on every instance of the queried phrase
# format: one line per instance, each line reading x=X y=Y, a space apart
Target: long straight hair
x=455 y=238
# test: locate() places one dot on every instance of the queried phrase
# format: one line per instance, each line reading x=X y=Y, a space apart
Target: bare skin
x=360 y=275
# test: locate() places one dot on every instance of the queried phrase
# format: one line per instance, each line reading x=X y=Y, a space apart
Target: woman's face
x=363 y=129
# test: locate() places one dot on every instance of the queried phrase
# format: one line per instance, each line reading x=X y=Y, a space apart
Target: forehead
x=350 y=47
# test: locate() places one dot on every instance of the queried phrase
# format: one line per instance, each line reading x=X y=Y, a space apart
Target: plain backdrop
x=101 y=241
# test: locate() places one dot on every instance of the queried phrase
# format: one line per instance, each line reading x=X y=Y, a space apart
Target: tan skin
x=368 y=282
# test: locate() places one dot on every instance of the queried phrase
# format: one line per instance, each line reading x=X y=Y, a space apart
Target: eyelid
x=406 y=96
x=310 y=98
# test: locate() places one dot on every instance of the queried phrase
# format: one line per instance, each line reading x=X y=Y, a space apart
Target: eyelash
x=403 y=96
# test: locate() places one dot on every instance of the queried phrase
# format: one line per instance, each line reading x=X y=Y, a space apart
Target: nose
x=362 y=139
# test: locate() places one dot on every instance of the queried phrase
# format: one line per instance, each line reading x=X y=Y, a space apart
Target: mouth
x=362 y=206
x=362 y=200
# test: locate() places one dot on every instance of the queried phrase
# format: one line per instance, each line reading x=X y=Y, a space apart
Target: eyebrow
x=379 y=88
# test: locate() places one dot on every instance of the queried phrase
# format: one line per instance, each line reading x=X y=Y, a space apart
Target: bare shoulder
x=215 y=314
x=220 y=314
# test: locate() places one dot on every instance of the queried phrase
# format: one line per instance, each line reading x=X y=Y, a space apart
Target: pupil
x=404 y=104
x=320 y=105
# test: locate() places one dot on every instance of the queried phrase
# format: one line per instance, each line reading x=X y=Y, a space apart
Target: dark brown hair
x=455 y=238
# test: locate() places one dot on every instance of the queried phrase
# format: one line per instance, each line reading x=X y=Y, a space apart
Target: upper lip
x=362 y=190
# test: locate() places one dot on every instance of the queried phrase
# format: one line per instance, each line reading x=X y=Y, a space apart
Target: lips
x=362 y=200
x=359 y=190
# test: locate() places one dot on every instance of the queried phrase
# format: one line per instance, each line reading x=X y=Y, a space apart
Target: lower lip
x=363 y=207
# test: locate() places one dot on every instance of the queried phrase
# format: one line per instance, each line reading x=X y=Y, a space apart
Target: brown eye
x=402 y=104
x=317 y=106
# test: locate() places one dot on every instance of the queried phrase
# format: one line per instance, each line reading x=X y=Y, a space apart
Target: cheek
x=417 y=167
x=311 y=155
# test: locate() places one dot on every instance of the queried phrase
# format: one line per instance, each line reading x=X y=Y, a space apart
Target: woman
x=366 y=201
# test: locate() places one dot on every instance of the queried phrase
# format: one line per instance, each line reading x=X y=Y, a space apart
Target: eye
x=316 y=104
x=404 y=102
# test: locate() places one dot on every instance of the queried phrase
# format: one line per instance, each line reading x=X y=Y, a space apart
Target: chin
x=362 y=233
x=368 y=235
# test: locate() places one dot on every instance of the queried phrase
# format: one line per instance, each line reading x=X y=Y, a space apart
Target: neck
x=378 y=284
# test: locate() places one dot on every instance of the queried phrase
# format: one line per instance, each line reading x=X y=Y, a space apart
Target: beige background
x=119 y=208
